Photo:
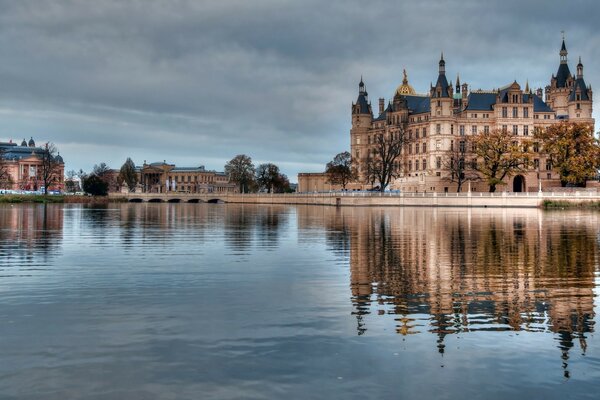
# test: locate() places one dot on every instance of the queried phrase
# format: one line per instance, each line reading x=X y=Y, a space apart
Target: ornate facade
x=436 y=122
x=23 y=163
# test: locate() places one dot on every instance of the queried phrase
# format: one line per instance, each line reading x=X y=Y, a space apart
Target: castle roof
x=484 y=101
x=363 y=105
x=579 y=85
x=562 y=75
x=418 y=104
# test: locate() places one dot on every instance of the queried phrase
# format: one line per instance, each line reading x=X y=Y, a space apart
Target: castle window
x=369 y=139
x=424 y=164
x=525 y=130
x=486 y=129
x=424 y=147
x=438 y=144
x=452 y=145
x=536 y=147
x=410 y=149
x=515 y=112
x=416 y=148
x=438 y=129
x=439 y=103
x=504 y=128
x=526 y=112
x=536 y=163
x=536 y=117
x=357 y=140
x=549 y=176
x=410 y=165
x=474 y=129
x=548 y=165
x=462 y=146
x=504 y=112
x=452 y=129
x=474 y=163
x=515 y=130
x=416 y=165
x=578 y=106
x=417 y=133
x=438 y=162
x=461 y=130
x=424 y=132
x=578 y=97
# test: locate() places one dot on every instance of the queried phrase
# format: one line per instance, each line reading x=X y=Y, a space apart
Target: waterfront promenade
x=465 y=199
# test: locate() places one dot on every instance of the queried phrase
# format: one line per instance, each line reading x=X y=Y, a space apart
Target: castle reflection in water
x=423 y=270
x=455 y=271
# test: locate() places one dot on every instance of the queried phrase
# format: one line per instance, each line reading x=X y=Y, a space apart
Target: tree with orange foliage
x=499 y=156
x=573 y=151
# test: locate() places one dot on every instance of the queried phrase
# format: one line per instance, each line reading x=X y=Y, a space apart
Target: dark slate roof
x=443 y=82
x=485 y=101
x=14 y=152
x=363 y=104
x=539 y=105
x=562 y=75
x=481 y=101
x=579 y=84
x=418 y=104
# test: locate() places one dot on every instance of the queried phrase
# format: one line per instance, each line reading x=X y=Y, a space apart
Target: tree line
x=265 y=177
x=570 y=148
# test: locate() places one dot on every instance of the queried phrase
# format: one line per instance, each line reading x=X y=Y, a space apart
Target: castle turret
x=580 y=98
x=362 y=118
x=560 y=85
x=441 y=93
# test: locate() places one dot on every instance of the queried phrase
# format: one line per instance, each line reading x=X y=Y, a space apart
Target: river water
x=214 y=301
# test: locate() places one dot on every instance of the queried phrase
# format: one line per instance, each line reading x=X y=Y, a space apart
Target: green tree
x=499 y=156
x=270 y=178
x=341 y=171
x=240 y=170
x=95 y=185
x=128 y=175
x=573 y=151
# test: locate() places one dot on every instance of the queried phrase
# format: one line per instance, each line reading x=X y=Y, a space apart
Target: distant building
x=161 y=177
x=23 y=163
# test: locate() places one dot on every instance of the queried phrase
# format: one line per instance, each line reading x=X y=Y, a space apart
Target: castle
x=436 y=122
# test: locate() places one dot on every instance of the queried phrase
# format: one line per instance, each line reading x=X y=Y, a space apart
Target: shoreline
x=412 y=200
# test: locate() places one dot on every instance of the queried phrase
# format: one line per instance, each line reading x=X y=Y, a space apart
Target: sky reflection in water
x=159 y=301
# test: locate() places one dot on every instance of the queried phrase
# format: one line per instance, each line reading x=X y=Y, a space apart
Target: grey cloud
x=205 y=80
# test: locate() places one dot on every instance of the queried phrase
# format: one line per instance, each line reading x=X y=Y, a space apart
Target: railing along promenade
x=354 y=198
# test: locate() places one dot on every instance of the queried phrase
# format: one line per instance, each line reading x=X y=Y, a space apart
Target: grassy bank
x=554 y=204
x=19 y=198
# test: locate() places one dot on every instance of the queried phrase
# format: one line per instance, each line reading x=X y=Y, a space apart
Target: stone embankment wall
x=500 y=199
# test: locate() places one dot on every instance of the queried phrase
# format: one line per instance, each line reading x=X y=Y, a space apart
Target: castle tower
x=558 y=92
x=362 y=118
x=580 y=98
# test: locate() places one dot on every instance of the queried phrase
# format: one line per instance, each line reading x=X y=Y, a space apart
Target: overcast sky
x=197 y=82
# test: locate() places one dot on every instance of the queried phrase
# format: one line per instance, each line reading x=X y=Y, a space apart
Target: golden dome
x=405 y=88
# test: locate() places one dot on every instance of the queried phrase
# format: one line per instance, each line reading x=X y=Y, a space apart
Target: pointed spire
x=563 y=50
x=527 y=86
x=442 y=69
x=579 y=69
x=457 y=83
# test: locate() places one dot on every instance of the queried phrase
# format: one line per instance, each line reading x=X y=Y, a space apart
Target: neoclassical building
x=23 y=163
x=438 y=121
x=162 y=177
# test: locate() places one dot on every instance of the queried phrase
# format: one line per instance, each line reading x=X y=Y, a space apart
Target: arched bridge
x=174 y=197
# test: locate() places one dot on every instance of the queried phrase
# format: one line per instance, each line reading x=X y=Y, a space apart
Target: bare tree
x=459 y=164
x=5 y=178
x=381 y=165
x=341 y=171
x=128 y=175
x=50 y=168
